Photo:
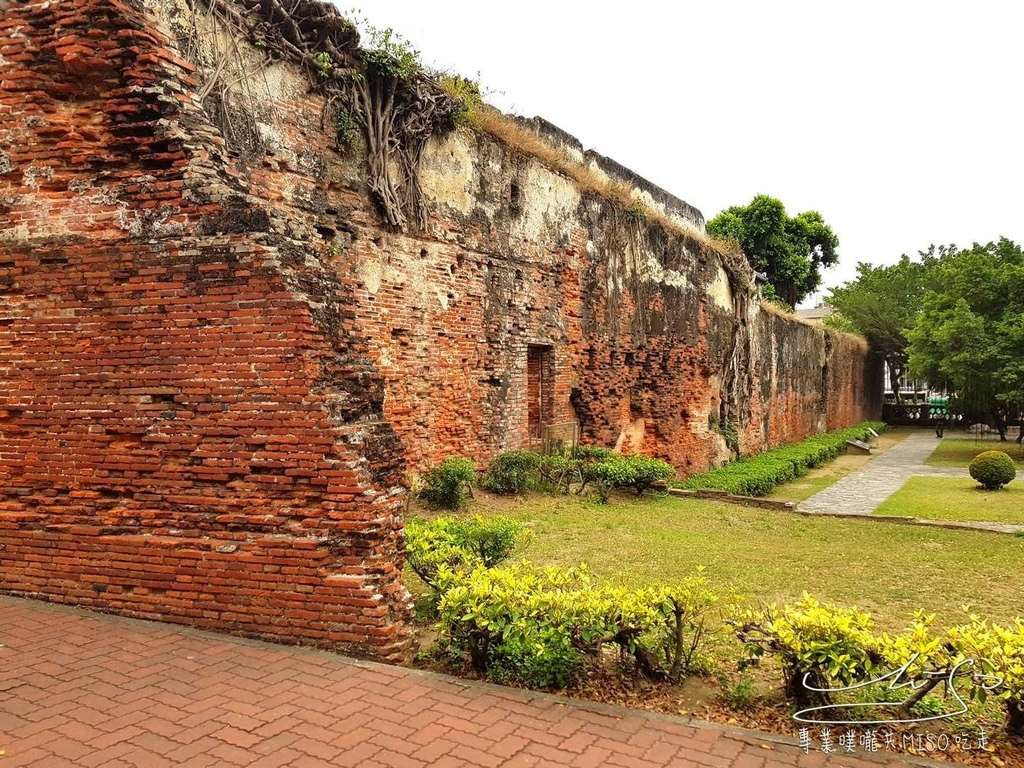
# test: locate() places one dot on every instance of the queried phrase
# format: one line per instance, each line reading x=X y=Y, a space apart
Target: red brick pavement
x=83 y=689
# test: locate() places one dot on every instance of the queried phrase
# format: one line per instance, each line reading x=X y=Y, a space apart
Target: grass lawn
x=954 y=498
x=959 y=452
x=889 y=570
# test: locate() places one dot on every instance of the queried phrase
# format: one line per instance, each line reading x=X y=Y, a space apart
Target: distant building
x=815 y=315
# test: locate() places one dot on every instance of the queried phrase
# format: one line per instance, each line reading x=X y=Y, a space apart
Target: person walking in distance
x=939 y=411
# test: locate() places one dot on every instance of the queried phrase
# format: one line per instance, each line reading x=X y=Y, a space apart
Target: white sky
x=901 y=122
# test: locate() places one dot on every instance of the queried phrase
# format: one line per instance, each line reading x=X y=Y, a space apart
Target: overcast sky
x=899 y=121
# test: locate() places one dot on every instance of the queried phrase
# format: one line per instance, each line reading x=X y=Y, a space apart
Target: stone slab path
x=863 y=491
x=85 y=690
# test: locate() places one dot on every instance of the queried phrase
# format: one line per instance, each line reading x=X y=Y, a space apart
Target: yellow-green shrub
x=689 y=613
x=835 y=647
x=998 y=651
x=565 y=615
x=817 y=645
x=917 y=649
x=460 y=543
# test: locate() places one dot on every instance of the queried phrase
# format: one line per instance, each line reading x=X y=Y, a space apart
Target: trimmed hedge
x=601 y=469
x=760 y=474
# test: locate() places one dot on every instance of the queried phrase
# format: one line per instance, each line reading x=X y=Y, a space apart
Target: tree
x=971 y=329
x=881 y=304
x=790 y=250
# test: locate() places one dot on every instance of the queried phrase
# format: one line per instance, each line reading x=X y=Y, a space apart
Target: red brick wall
x=189 y=428
x=216 y=365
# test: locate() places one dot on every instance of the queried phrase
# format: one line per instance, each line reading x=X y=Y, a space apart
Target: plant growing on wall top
x=380 y=88
x=399 y=108
x=637 y=213
x=466 y=93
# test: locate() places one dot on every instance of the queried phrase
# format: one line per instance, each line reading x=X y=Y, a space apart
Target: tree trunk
x=1015 y=718
x=647 y=663
x=479 y=645
x=800 y=694
x=1000 y=423
x=787 y=292
x=895 y=376
x=921 y=692
x=677 y=641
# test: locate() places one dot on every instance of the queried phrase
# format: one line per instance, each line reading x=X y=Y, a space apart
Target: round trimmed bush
x=993 y=469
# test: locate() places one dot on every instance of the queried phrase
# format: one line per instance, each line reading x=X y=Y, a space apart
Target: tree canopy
x=970 y=331
x=882 y=303
x=790 y=250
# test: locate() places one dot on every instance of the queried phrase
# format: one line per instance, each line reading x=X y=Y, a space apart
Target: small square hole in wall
x=515 y=198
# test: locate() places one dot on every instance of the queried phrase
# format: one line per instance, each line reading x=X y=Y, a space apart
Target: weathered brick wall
x=810 y=381
x=217 y=367
x=647 y=334
x=190 y=428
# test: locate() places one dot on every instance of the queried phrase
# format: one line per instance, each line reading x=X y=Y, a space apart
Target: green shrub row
x=447 y=486
x=760 y=474
x=514 y=472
